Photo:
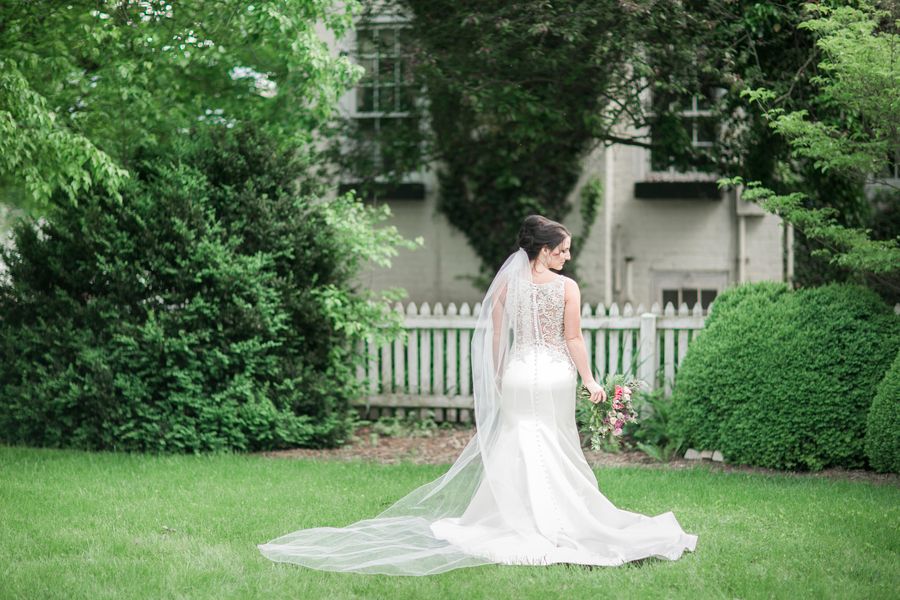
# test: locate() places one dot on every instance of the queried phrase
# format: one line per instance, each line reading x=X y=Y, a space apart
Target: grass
x=99 y=525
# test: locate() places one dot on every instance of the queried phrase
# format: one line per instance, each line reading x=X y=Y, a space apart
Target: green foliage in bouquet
x=883 y=430
x=604 y=420
x=783 y=379
x=211 y=308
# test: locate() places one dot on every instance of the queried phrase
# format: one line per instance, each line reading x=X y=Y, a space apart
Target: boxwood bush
x=883 y=431
x=784 y=379
x=211 y=308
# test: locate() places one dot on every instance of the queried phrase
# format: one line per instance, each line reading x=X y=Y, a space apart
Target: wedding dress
x=521 y=492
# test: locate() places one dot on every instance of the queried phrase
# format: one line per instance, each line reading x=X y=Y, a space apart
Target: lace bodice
x=547 y=332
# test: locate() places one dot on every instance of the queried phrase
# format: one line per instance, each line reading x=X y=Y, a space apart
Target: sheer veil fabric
x=521 y=491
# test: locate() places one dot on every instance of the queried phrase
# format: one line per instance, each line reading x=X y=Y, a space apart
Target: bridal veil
x=400 y=540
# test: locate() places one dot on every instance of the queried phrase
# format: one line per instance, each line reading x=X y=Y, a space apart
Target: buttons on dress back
x=548 y=300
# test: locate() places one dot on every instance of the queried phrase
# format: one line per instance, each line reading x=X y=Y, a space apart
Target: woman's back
x=541 y=325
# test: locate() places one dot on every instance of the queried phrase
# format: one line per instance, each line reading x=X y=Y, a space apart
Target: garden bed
x=442 y=446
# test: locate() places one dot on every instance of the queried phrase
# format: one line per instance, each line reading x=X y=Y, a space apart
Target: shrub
x=210 y=309
x=652 y=433
x=783 y=379
x=883 y=430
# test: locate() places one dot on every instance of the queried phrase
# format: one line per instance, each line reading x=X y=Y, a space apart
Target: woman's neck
x=534 y=271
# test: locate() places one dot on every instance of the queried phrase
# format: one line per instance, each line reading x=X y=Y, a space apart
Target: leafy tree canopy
x=859 y=79
x=83 y=84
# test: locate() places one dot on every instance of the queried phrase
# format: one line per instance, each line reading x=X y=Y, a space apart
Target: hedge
x=883 y=430
x=782 y=378
x=201 y=312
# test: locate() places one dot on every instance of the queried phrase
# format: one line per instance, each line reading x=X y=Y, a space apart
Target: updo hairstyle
x=537 y=232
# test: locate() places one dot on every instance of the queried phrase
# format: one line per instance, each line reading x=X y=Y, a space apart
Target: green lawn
x=82 y=525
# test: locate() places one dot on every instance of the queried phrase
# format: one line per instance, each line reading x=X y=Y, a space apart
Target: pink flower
x=619 y=423
x=617 y=432
x=618 y=393
x=627 y=392
x=618 y=405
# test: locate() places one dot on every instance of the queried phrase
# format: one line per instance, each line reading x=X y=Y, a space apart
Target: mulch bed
x=444 y=445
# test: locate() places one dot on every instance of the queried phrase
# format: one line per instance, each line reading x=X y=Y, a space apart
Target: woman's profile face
x=560 y=254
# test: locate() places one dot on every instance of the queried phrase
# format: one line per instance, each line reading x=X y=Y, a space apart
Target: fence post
x=648 y=360
x=668 y=351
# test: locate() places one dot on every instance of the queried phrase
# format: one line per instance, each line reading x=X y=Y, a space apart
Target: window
x=686 y=122
x=385 y=90
x=892 y=168
x=689 y=296
x=385 y=94
x=688 y=287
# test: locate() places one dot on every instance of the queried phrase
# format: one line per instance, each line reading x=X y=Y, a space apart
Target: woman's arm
x=575 y=340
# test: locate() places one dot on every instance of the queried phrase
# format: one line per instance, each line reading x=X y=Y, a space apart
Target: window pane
x=367 y=132
x=406 y=98
x=707 y=296
x=387 y=140
x=366 y=128
x=365 y=44
x=660 y=101
x=659 y=158
x=711 y=93
x=386 y=71
x=369 y=65
x=386 y=39
x=387 y=88
x=689 y=296
x=404 y=71
x=682 y=103
x=405 y=37
x=368 y=143
x=704 y=101
x=365 y=99
x=705 y=130
x=386 y=101
x=670 y=296
x=389 y=126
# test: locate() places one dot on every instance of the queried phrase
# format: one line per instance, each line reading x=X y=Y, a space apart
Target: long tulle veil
x=400 y=541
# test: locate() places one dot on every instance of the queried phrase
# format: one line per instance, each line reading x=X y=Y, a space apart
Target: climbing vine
x=513 y=97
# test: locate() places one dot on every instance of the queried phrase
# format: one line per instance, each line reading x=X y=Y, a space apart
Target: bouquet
x=607 y=417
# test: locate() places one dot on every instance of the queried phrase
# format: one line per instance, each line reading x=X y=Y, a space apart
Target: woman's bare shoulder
x=571 y=286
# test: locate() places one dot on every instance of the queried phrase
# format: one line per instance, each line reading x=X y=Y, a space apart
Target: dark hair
x=537 y=232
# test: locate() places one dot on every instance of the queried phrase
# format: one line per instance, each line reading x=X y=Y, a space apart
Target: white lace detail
x=548 y=333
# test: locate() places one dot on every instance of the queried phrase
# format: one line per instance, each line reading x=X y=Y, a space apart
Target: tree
x=190 y=289
x=210 y=308
x=516 y=94
x=859 y=80
x=84 y=84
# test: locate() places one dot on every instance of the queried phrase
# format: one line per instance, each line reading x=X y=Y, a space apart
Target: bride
x=521 y=492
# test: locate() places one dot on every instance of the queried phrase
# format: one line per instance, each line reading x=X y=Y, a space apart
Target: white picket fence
x=429 y=369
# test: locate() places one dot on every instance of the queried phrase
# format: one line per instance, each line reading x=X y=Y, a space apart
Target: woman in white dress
x=521 y=492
